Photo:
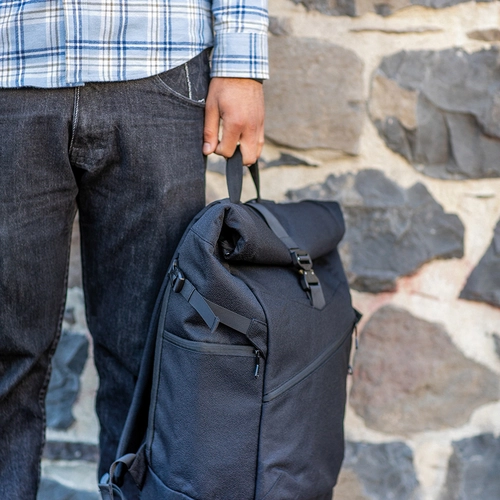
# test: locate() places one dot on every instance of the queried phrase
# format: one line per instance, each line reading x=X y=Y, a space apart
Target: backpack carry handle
x=234 y=176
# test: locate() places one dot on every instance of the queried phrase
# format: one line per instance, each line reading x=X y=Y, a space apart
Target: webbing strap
x=234 y=176
x=108 y=490
x=317 y=297
x=107 y=486
x=310 y=282
x=230 y=318
x=212 y=313
x=275 y=225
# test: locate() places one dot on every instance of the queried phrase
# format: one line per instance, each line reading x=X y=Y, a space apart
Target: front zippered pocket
x=217 y=349
x=306 y=412
x=208 y=400
x=310 y=368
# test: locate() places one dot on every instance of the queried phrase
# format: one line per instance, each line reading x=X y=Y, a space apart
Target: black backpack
x=243 y=381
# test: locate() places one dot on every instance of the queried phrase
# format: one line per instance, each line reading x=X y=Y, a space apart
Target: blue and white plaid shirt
x=61 y=43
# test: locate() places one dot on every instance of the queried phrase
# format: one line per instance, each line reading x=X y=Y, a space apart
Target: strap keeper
x=215 y=324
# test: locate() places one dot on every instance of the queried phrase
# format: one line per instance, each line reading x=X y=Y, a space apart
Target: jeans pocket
x=189 y=81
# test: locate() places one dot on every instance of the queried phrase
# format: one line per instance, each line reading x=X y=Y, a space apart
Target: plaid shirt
x=64 y=43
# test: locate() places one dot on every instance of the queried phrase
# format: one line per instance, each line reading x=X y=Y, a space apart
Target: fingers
x=211 y=127
x=251 y=146
x=231 y=136
x=240 y=104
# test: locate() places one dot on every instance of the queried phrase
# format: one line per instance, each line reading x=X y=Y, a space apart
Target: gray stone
x=473 y=469
x=441 y=111
x=359 y=7
x=286 y=159
x=53 y=490
x=410 y=377
x=384 y=472
x=280 y=26
x=67 y=365
x=331 y=7
x=391 y=231
x=496 y=340
x=69 y=450
x=315 y=96
x=483 y=284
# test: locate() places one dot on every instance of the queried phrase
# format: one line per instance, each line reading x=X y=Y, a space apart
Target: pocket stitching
x=174 y=93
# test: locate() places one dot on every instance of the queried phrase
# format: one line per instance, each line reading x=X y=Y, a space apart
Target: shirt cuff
x=240 y=55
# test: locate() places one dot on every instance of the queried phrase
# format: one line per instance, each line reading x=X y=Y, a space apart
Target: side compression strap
x=212 y=313
x=301 y=259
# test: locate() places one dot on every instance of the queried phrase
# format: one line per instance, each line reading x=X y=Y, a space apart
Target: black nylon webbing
x=234 y=176
x=275 y=225
x=212 y=313
x=315 y=292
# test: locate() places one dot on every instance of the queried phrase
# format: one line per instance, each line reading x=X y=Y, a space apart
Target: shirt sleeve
x=240 y=45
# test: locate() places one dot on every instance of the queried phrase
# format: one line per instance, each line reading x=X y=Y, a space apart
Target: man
x=107 y=106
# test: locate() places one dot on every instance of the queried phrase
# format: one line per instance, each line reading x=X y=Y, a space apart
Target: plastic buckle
x=309 y=279
x=301 y=259
x=176 y=278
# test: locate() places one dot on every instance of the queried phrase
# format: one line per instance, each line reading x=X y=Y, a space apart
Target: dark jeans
x=128 y=156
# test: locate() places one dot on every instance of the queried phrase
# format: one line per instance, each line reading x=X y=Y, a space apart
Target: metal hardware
x=301 y=259
x=257 y=363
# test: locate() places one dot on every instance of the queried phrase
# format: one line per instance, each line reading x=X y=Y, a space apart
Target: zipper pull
x=257 y=363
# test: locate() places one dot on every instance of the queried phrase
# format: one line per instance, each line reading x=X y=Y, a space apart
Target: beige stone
x=488 y=35
x=315 y=97
x=75 y=261
x=348 y=487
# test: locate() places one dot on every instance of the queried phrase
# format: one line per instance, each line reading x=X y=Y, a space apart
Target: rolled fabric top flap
x=315 y=227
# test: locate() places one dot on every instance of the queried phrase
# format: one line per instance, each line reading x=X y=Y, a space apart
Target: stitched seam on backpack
x=202 y=238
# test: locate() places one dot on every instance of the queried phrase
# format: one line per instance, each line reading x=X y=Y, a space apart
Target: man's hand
x=239 y=103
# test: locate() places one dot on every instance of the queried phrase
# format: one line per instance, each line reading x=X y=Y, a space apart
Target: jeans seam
x=76 y=109
x=52 y=350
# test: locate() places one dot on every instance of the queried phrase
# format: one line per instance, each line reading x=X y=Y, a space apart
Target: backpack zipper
x=309 y=368
x=257 y=363
x=218 y=349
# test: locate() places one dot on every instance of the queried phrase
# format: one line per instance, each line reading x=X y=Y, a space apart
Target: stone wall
x=393 y=109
